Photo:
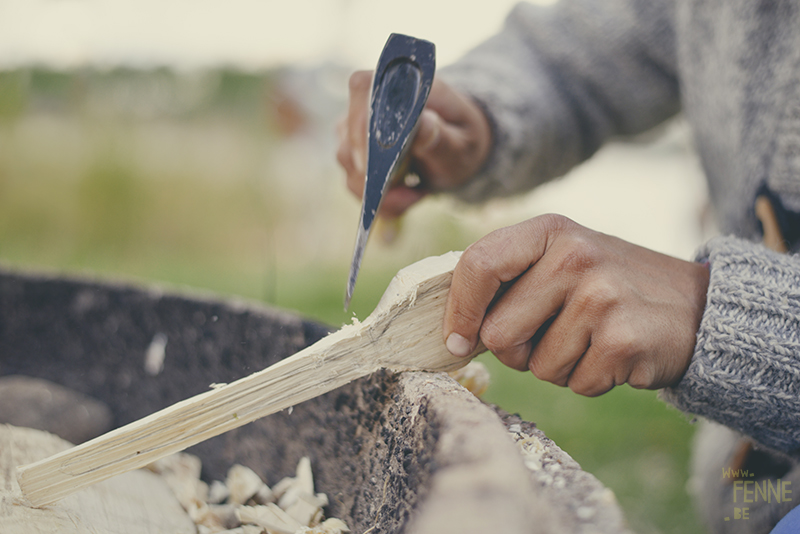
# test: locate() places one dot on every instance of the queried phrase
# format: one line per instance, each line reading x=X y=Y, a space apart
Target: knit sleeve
x=557 y=81
x=745 y=372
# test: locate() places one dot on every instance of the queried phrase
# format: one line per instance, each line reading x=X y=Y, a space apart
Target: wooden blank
x=403 y=333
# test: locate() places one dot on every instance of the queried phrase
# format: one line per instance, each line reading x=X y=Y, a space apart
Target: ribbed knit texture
x=745 y=372
x=558 y=81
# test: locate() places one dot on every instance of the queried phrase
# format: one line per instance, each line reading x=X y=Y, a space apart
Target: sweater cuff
x=745 y=372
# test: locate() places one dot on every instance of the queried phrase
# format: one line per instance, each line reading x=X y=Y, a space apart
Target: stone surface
x=412 y=453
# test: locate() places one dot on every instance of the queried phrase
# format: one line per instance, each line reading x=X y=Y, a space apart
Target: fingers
x=523 y=314
x=429 y=133
x=352 y=132
x=576 y=307
x=360 y=87
x=581 y=317
x=560 y=331
x=535 y=315
x=566 y=357
x=397 y=200
x=453 y=140
x=500 y=257
x=547 y=318
x=451 y=144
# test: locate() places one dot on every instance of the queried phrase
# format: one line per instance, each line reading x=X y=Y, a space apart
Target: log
x=139 y=502
x=403 y=333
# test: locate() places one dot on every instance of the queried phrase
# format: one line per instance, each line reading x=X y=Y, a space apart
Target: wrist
x=698 y=295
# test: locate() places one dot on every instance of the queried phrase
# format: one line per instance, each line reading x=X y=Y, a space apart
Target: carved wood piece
x=403 y=333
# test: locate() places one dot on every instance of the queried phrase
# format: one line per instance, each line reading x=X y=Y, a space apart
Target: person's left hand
x=578 y=308
x=452 y=143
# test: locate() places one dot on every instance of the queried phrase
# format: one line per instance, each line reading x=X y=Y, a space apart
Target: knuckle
x=464 y=318
x=493 y=337
x=576 y=260
x=553 y=223
x=620 y=348
x=581 y=255
x=478 y=259
x=643 y=376
x=491 y=254
x=625 y=344
x=543 y=370
x=593 y=378
x=593 y=387
x=515 y=358
x=627 y=349
x=538 y=369
x=597 y=296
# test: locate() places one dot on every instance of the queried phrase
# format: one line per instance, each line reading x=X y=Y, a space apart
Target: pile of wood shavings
x=244 y=504
x=474 y=376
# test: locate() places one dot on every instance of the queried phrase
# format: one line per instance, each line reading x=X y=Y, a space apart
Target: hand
x=579 y=308
x=451 y=145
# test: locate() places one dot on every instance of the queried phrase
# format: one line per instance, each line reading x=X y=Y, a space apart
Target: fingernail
x=458 y=345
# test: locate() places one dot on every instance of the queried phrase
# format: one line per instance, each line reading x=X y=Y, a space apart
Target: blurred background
x=191 y=144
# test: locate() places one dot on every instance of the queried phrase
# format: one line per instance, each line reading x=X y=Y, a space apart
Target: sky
x=250 y=34
x=258 y=34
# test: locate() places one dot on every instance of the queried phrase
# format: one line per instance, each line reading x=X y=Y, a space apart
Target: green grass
x=87 y=201
x=630 y=440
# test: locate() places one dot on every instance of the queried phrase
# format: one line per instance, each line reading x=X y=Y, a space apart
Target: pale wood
x=403 y=333
x=773 y=237
x=134 y=503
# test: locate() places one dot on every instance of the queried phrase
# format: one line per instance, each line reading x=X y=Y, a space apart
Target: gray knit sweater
x=559 y=81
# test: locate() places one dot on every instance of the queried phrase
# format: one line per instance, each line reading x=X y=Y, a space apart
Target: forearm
x=745 y=372
x=558 y=81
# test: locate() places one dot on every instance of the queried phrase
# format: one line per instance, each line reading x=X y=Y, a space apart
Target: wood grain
x=403 y=333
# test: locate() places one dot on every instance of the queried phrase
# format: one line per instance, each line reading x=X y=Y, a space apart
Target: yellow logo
x=752 y=491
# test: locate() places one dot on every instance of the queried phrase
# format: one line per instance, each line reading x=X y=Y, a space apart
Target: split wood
x=403 y=333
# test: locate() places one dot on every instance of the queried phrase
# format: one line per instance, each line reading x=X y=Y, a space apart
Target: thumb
x=428 y=135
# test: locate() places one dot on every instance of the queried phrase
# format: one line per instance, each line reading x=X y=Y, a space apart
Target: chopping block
x=395 y=452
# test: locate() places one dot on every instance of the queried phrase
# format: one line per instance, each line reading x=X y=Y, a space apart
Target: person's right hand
x=576 y=307
x=451 y=145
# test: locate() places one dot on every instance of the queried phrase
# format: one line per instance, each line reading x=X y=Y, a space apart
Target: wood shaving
x=244 y=503
x=474 y=376
x=218 y=492
x=242 y=483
